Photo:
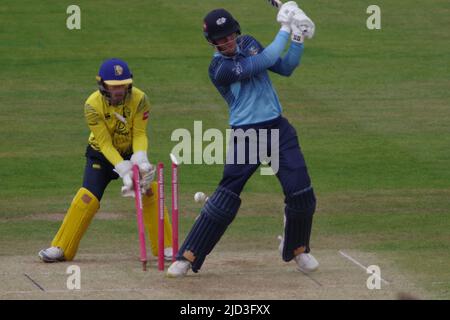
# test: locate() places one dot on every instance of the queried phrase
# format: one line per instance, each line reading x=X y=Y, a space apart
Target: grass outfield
x=371 y=109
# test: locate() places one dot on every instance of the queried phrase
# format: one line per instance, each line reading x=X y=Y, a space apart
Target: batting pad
x=83 y=208
x=299 y=210
x=217 y=214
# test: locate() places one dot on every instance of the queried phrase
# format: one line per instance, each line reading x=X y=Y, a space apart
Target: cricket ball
x=199 y=197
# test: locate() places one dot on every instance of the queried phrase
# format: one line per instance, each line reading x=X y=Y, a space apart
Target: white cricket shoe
x=52 y=254
x=168 y=254
x=305 y=261
x=178 y=269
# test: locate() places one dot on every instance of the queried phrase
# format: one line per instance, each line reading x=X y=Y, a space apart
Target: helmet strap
x=105 y=92
x=216 y=46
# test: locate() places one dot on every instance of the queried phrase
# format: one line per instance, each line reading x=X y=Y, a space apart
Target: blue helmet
x=113 y=72
x=219 y=23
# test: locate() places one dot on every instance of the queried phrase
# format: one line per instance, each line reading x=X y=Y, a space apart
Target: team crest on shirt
x=253 y=51
x=237 y=68
x=118 y=70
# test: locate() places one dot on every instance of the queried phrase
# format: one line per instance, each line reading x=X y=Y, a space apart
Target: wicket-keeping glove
x=146 y=170
x=125 y=171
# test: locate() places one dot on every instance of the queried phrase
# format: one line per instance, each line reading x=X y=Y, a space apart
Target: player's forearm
x=290 y=61
x=111 y=154
x=274 y=50
x=229 y=71
x=140 y=141
x=104 y=142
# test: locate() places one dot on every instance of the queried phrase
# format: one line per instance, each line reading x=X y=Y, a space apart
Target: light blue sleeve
x=233 y=70
x=286 y=65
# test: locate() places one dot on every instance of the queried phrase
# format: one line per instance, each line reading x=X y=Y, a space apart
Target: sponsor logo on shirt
x=253 y=51
x=237 y=68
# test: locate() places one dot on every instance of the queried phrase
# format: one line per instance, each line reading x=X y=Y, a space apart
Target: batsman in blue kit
x=239 y=71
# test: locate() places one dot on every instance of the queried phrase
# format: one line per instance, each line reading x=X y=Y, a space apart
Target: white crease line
x=2 y=293
x=83 y=291
x=122 y=290
x=439 y=282
x=363 y=267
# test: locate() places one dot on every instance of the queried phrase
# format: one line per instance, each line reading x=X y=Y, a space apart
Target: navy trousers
x=292 y=172
x=98 y=172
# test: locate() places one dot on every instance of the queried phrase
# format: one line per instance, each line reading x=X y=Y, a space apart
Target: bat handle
x=276 y=3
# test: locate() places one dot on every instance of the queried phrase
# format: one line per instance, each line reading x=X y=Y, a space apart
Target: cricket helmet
x=113 y=72
x=218 y=24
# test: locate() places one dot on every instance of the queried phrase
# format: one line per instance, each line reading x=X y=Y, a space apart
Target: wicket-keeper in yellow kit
x=117 y=115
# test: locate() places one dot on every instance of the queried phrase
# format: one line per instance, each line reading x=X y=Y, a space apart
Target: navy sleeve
x=286 y=65
x=227 y=71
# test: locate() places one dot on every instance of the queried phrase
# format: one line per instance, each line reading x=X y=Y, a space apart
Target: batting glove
x=302 y=26
x=285 y=14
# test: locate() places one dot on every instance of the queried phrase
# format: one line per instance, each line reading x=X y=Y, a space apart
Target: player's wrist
x=285 y=28
x=139 y=157
x=123 y=168
x=297 y=38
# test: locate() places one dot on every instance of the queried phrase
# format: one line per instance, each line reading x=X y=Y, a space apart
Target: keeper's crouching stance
x=117 y=115
x=239 y=72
